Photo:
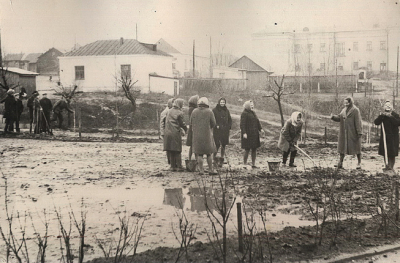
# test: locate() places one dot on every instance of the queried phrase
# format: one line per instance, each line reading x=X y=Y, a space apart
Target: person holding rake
x=389 y=140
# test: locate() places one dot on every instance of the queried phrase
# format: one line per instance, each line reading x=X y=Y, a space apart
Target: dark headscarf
x=219 y=107
x=193 y=101
x=178 y=103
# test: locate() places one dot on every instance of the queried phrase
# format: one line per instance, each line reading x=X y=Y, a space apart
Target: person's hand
x=182 y=132
x=331 y=116
x=217 y=127
x=244 y=135
x=162 y=137
x=262 y=132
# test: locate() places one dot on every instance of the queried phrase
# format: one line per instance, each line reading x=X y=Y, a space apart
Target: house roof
x=21 y=71
x=114 y=47
x=248 y=64
x=166 y=47
x=31 y=57
x=11 y=57
x=52 y=50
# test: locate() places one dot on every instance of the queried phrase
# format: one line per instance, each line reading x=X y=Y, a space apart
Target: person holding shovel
x=222 y=127
x=350 y=131
x=250 y=129
x=174 y=123
x=290 y=134
x=389 y=140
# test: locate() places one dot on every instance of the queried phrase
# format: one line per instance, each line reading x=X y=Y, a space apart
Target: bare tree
x=130 y=90
x=278 y=91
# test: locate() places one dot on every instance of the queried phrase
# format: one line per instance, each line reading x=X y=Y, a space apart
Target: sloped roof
x=166 y=47
x=114 y=47
x=246 y=63
x=21 y=71
x=10 y=57
x=32 y=57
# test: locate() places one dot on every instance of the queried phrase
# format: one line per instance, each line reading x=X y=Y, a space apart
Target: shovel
x=384 y=144
x=303 y=152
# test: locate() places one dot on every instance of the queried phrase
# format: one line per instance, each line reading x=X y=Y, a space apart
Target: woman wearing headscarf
x=203 y=122
x=172 y=134
x=350 y=132
x=250 y=128
x=192 y=105
x=289 y=136
x=163 y=116
x=391 y=121
x=223 y=125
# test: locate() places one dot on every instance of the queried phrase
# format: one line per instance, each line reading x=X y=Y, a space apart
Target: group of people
x=208 y=131
x=39 y=111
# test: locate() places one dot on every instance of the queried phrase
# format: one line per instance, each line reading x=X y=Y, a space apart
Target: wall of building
x=47 y=63
x=184 y=65
x=101 y=71
x=228 y=73
x=168 y=86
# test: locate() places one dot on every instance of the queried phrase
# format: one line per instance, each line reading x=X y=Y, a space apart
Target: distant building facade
x=17 y=78
x=47 y=63
x=23 y=61
x=321 y=53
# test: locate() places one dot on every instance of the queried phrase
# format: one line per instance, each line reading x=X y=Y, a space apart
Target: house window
x=355 y=65
x=297 y=48
x=383 y=67
x=383 y=45
x=79 y=72
x=186 y=64
x=355 y=46
x=309 y=48
x=369 y=65
x=322 y=47
x=340 y=50
x=322 y=66
x=340 y=67
x=369 y=45
x=173 y=66
x=126 y=71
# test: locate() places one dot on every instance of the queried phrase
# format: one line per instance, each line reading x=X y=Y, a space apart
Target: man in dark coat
x=19 y=109
x=46 y=107
x=391 y=121
x=10 y=110
x=290 y=134
x=223 y=125
x=250 y=128
x=174 y=123
x=33 y=107
x=350 y=131
x=203 y=122
x=59 y=106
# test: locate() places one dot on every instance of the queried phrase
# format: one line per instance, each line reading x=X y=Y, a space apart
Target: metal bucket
x=273 y=165
x=191 y=165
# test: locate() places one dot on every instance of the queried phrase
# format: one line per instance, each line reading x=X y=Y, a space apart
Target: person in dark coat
x=174 y=124
x=289 y=136
x=46 y=107
x=58 y=108
x=192 y=105
x=223 y=125
x=163 y=115
x=391 y=121
x=10 y=110
x=19 y=109
x=33 y=107
x=350 y=131
x=250 y=128
x=203 y=122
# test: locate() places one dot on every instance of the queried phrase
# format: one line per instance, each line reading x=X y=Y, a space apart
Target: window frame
x=126 y=72
x=79 y=72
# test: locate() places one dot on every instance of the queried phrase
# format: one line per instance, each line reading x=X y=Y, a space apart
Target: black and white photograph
x=199 y=131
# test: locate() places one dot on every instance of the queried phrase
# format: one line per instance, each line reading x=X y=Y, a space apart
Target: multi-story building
x=309 y=53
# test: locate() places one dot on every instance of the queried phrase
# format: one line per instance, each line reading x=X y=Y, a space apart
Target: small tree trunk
x=280 y=111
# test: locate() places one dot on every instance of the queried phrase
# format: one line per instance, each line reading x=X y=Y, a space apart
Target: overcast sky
x=37 y=25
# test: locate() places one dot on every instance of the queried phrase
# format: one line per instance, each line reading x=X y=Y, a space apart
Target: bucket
x=273 y=165
x=191 y=165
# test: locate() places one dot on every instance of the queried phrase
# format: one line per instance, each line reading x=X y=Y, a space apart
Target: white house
x=96 y=66
x=229 y=73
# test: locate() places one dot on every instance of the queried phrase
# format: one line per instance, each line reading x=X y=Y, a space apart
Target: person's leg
x=292 y=156
x=359 y=161
x=7 y=124
x=341 y=158
x=245 y=156
x=200 y=163
x=30 y=120
x=60 y=120
x=285 y=156
x=17 y=129
x=168 y=157
x=391 y=161
x=173 y=160
x=210 y=164
x=253 y=156
x=179 y=160
x=222 y=151
x=190 y=153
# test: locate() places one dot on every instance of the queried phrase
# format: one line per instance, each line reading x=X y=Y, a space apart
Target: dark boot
x=291 y=161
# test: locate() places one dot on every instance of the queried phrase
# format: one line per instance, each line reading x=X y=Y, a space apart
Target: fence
x=211 y=85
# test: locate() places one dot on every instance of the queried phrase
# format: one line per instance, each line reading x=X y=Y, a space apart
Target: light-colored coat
x=172 y=133
x=350 y=131
x=203 y=121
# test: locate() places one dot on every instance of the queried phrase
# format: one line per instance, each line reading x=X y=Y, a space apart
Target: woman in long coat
x=163 y=116
x=391 y=121
x=289 y=136
x=250 y=128
x=223 y=125
x=10 y=110
x=350 y=131
x=203 y=122
x=192 y=105
x=172 y=134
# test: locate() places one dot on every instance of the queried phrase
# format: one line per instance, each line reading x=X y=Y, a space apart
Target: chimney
x=121 y=41
x=155 y=47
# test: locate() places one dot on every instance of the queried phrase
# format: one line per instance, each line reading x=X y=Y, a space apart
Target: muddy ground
x=108 y=178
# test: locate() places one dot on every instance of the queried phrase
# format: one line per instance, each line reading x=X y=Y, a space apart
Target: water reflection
x=174 y=197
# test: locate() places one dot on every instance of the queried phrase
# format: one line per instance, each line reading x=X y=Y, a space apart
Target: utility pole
x=336 y=81
x=211 y=68
x=194 y=62
x=397 y=74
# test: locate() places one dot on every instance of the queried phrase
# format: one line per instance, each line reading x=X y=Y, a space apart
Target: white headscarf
x=294 y=116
